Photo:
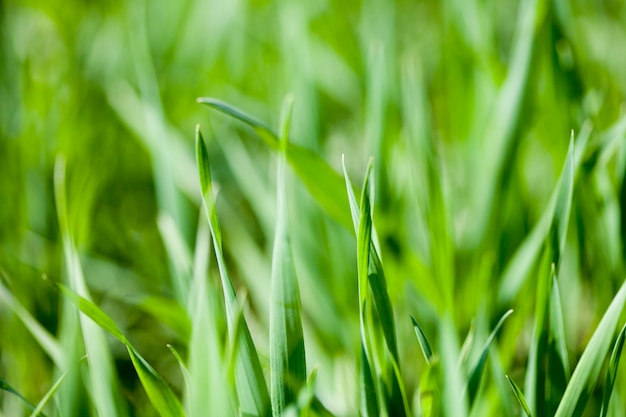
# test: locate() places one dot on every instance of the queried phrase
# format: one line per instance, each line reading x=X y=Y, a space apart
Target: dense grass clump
x=430 y=224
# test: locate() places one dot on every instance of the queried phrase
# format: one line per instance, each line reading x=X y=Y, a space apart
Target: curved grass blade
x=287 y=356
x=475 y=375
x=589 y=366
x=5 y=386
x=520 y=396
x=254 y=399
x=423 y=341
x=322 y=181
x=612 y=371
x=158 y=391
x=518 y=268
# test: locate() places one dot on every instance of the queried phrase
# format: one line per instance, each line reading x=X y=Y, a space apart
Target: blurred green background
x=496 y=88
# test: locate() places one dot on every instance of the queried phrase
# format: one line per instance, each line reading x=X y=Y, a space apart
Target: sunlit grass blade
x=322 y=181
x=254 y=399
x=563 y=206
x=158 y=391
x=589 y=366
x=520 y=396
x=287 y=356
x=423 y=341
x=475 y=374
x=5 y=386
x=104 y=384
x=611 y=373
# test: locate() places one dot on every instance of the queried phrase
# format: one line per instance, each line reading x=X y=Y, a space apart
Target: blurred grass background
x=496 y=87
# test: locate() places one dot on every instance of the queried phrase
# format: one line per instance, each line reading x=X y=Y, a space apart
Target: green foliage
x=495 y=134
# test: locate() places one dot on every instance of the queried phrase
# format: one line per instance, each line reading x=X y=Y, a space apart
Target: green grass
x=430 y=224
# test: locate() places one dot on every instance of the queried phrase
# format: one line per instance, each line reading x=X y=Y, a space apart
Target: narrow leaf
x=287 y=356
x=5 y=386
x=254 y=399
x=322 y=181
x=519 y=395
x=477 y=371
x=159 y=393
x=611 y=373
x=423 y=341
x=586 y=373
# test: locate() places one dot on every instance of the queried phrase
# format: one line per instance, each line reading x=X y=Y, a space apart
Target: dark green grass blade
x=423 y=341
x=5 y=386
x=322 y=181
x=369 y=400
x=611 y=373
x=589 y=366
x=254 y=399
x=520 y=396
x=158 y=391
x=476 y=373
x=287 y=356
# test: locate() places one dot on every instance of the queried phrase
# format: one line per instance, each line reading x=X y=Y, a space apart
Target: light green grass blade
x=588 y=368
x=322 y=181
x=563 y=206
x=520 y=396
x=104 y=385
x=423 y=341
x=476 y=373
x=158 y=391
x=5 y=386
x=611 y=373
x=287 y=356
x=254 y=399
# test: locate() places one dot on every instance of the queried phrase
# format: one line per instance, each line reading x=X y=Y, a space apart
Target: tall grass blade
x=476 y=373
x=287 y=356
x=158 y=391
x=104 y=386
x=557 y=327
x=254 y=399
x=586 y=373
x=611 y=373
x=322 y=181
x=520 y=396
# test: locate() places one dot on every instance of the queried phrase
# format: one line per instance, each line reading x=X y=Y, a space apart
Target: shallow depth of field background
x=111 y=88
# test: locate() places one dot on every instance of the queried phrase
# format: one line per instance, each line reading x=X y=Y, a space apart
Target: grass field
x=312 y=208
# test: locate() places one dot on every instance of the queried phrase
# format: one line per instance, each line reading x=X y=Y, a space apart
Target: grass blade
x=322 y=181
x=477 y=371
x=287 y=356
x=5 y=386
x=254 y=399
x=519 y=395
x=423 y=341
x=586 y=373
x=612 y=371
x=159 y=393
